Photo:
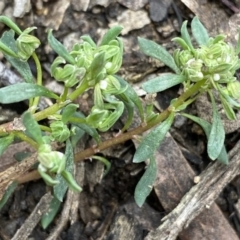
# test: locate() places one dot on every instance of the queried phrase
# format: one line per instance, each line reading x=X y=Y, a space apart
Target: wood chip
x=28 y=226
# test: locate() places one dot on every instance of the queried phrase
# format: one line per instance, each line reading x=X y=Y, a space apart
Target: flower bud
x=234 y=89
x=69 y=74
x=60 y=131
x=48 y=158
x=27 y=44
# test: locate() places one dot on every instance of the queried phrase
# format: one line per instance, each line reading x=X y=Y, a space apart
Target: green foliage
x=21 y=66
x=61 y=188
x=217 y=133
x=5 y=142
x=32 y=127
x=8 y=193
x=154 y=50
x=48 y=217
x=162 y=82
x=149 y=144
x=23 y=91
x=207 y=68
x=145 y=184
x=206 y=126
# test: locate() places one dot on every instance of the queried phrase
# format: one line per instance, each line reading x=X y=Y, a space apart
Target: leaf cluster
x=206 y=68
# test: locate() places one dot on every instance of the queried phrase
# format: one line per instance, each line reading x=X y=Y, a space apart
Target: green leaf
x=228 y=109
x=78 y=134
x=61 y=188
x=48 y=217
x=23 y=91
x=199 y=32
x=6 y=50
x=8 y=193
x=130 y=94
x=108 y=122
x=151 y=142
x=32 y=128
x=97 y=65
x=206 y=126
x=59 y=48
x=181 y=42
x=144 y=186
x=111 y=34
x=68 y=112
x=89 y=130
x=230 y=100
x=185 y=35
x=163 y=82
x=12 y=25
x=89 y=40
x=104 y=161
x=5 y=142
x=217 y=134
x=21 y=66
x=154 y=50
x=20 y=156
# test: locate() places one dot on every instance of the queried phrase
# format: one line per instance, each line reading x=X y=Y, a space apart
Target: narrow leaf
x=23 y=91
x=61 y=188
x=162 y=82
x=130 y=94
x=206 y=126
x=185 y=35
x=154 y=50
x=5 y=142
x=68 y=112
x=8 y=193
x=89 y=130
x=32 y=128
x=59 y=48
x=48 y=217
x=228 y=109
x=199 y=32
x=217 y=134
x=97 y=65
x=144 y=186
x=78 y=134
x=111 y=34
x=181 y=42
x=151 y=142
x=21 y=66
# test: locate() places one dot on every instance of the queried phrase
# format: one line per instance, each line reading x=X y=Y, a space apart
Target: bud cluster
x=216 y=61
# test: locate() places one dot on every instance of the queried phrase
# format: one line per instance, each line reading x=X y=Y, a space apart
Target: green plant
x=208 y=68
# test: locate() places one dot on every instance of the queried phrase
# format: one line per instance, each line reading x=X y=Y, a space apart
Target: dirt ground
x=106 y=209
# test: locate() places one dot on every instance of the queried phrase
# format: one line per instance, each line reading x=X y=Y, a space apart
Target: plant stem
x=64 y=95
x=80 y=156
x=82 y=88
x=49 y=111
x=129 y=135
x=25 y=138
x=39 y=80
x=7 y=21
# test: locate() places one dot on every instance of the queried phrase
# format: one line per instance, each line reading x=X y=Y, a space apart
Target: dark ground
x=106 y=208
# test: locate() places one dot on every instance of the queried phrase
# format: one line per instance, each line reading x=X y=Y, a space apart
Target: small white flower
x=216 y=77
x=103 y=84
x=108 y=65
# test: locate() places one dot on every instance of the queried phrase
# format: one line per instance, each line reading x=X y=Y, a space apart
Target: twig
x=212 y=182
x=41 y=208
x=64 y=217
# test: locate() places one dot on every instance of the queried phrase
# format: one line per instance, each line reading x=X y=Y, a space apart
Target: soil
x=106 y=209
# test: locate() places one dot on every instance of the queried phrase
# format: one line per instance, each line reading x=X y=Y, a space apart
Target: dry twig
x=41 y=208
